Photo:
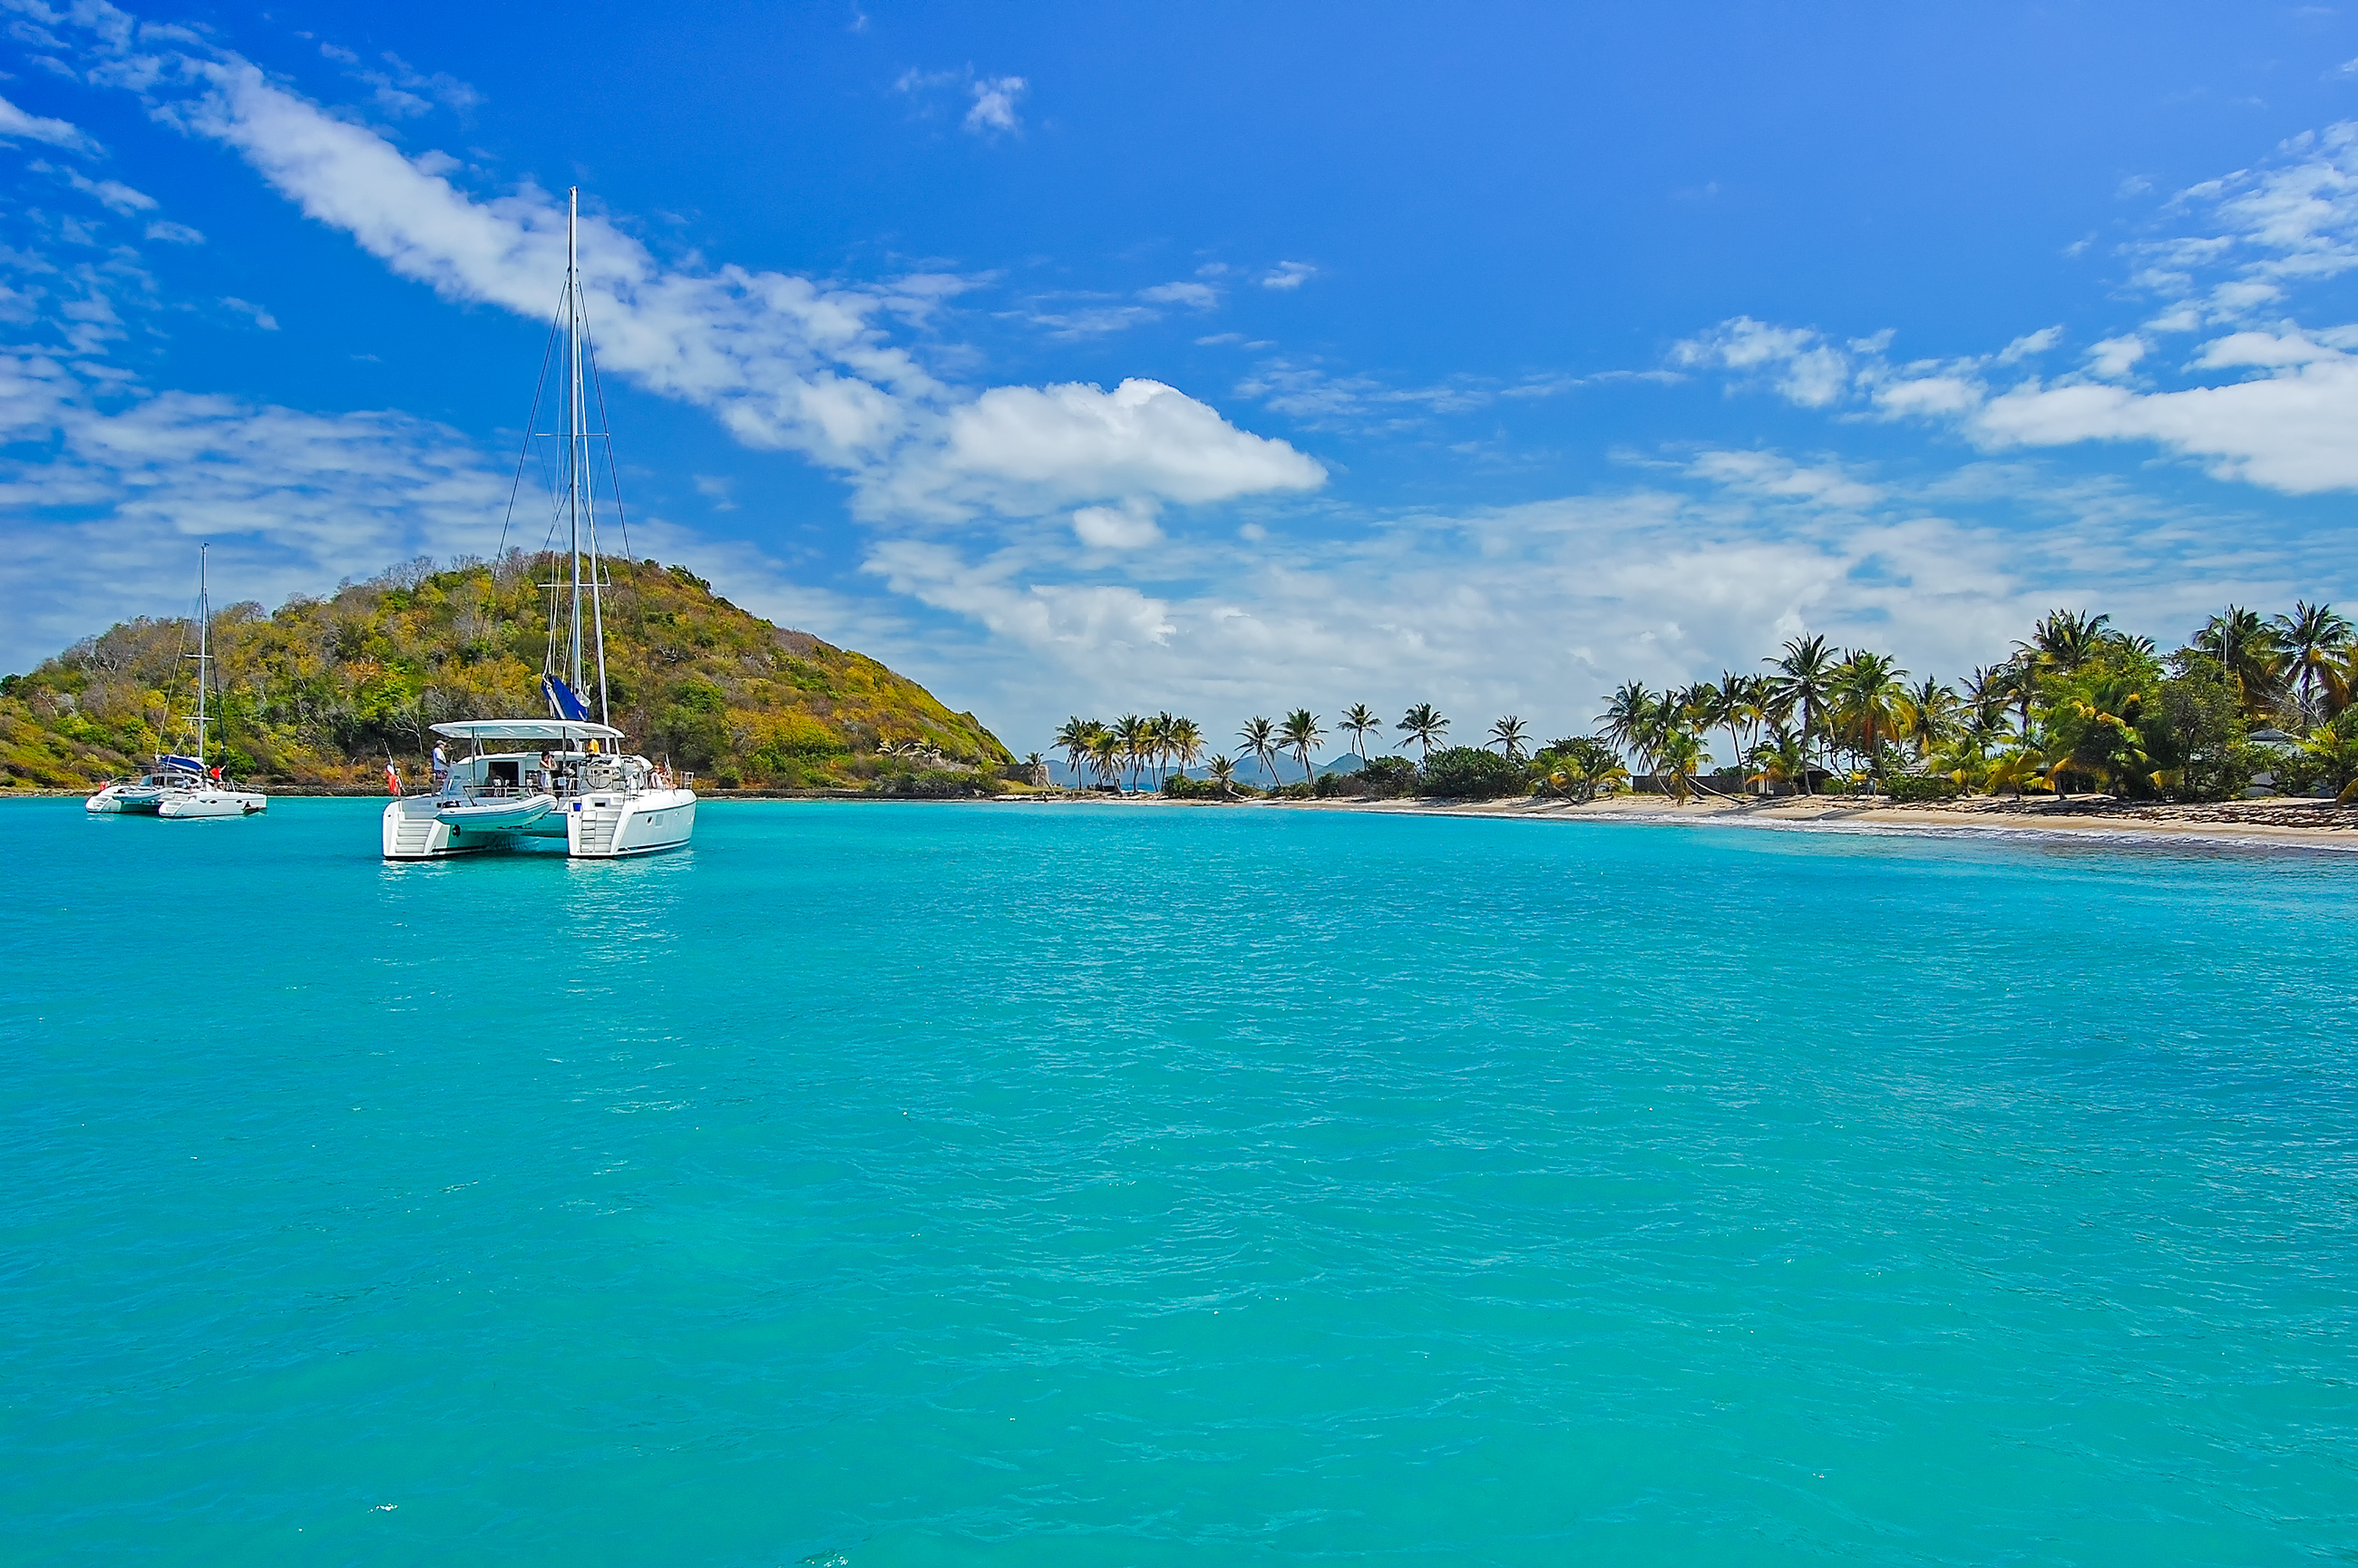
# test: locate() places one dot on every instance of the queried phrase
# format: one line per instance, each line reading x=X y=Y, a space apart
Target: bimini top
x=526 y=730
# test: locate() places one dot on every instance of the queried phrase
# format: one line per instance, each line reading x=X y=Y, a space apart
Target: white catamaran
x=178 y=786
x=564 y=777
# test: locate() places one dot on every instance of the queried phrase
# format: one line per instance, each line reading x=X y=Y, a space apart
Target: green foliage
x=1905 y=788
x=2194 y=733
x=1467 y=773
x=936 y=783
x=321 y=692
x=1179 y=786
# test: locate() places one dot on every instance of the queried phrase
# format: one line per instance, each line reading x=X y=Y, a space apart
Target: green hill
x=320 y=693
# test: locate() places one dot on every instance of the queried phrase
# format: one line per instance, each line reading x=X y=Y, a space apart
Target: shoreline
x=2273 y=821
x=2282 y=822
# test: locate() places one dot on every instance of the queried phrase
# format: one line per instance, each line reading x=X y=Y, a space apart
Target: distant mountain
x=323 y=691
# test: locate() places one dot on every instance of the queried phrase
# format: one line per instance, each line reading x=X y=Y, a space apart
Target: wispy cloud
x=17 y=126
x=1288 y=275
x=993 y=110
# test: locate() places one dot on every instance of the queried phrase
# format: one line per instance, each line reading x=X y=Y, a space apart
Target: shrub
x=1906 y=787
x=1387 y=778
x=1467 y=773
x=933 y=784
x=1179 y=786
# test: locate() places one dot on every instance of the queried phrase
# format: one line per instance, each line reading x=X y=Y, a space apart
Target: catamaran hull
x=498 y=817
x=594 y=827
x=115 y=800
x=604 y=828
x=198 y=803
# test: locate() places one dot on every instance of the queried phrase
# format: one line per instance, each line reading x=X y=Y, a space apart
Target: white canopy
x=526 y=730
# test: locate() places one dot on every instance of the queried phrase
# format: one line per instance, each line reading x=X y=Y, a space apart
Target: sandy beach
x=2312 y=824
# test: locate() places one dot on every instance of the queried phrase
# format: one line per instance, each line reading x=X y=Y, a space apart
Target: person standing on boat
x=441 y=765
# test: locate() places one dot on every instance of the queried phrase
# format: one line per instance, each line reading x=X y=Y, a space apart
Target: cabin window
x=504 y=775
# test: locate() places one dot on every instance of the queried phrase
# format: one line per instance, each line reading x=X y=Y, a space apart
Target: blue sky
x=1220 y=359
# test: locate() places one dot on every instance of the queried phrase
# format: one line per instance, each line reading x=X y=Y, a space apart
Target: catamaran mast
x=574 y=439
x=580 y=499
x=204 y=650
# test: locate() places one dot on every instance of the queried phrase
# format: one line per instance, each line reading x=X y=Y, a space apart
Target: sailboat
x=181 y=787
x=566 y=777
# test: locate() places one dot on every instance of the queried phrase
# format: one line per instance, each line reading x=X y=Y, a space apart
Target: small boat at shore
x=565 y=777
x=179 y=787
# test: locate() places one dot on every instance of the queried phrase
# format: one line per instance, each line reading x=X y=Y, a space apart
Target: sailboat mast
x=576 y=438
x=204 y=650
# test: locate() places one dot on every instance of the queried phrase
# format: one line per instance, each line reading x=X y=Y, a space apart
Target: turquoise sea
x=888 y=1184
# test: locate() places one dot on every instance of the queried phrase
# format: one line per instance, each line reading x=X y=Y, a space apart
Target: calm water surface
x=955 y=1185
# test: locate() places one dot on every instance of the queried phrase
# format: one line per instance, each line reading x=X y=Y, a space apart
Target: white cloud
x=17 y=126
x=1773 y=475
x=994 y=105
x=252 y=312
x=112 y=194
x=173 y=233
x=1541 y=609
x=2113 y=358
x=1029 y=450
x=1200 y=295
x=1289 y=274
x=2030 y=345
x=782 y=362
x=1129 y=527
x=1800 y=362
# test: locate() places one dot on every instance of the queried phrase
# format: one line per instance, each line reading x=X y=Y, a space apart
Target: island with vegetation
x=323 y=692
x=2078 y=705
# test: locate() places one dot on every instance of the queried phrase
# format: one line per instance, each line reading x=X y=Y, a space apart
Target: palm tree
x=1928 y=715
x=1732 y=706
x=1361 y=720
x=1300 y=732
x=1105 y=755
x=1157 y=743
x=1508 y=735
x=1681 y=757
x=1224 y=773
x=1778 y=758
x=1073 y=739
x=1258 y=738
x=2310 y=638
x=2250 y=651
x=1865 y=694
x=2064 y=641
x=1801 y=683
x=1632 y=720
x=1423 y=725
x=1130 y=731
x=1183 y=738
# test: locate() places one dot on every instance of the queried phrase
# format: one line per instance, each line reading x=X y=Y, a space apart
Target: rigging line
x=548 y=350
x=614 y=474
